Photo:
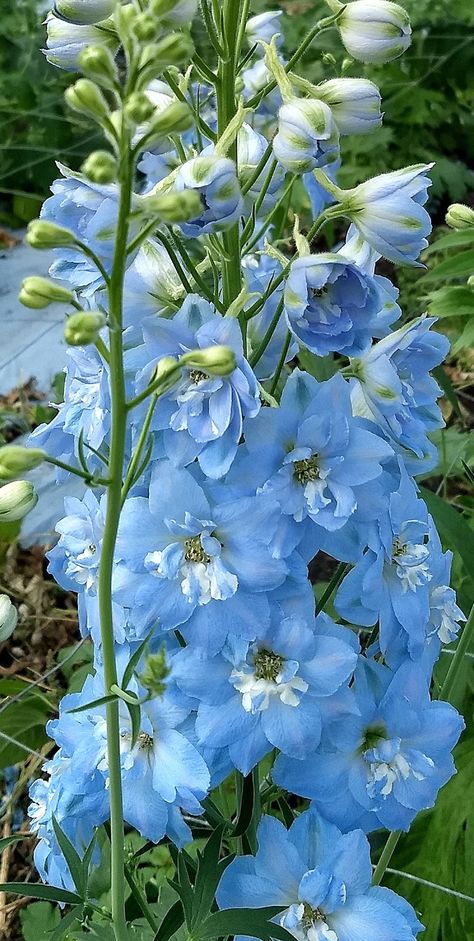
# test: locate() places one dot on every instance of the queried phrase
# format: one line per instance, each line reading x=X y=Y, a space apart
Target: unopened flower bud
x=67 y=41
x=15 y=460
x=43 y=234
x=85 y=12
x=100 y=167
x=354 y=102
x=83 y=328
x=145 y=27
x=8 y=618
x=215 y=360
x=174 y=207
x=138 y=108
x=373 y=30
x=98 y=63
x=37 y=292
x=173 y=49
x=174 y=12
x=175 y=119
x=459 y=216
x=155 y=674
x=166 y=373
x=307 y=135
x=86 y=97
x=16 y=500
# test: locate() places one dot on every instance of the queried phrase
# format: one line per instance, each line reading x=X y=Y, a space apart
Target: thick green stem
x=114 y=494
x=226 y=109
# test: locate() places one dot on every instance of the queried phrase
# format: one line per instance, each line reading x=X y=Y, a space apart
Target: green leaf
x=462 y=239
x=444 y=381
x=94 y=703
x=254 y=922
x=24 y=722
x=459 y=266
x=321 y=367
x=39 y=920
x=74 y=915
x=466 y=340
x=38 y=891
x=135 y=659
x=72 y=858
x=455 y=301
x=452 y=527
x=172 y=921
x=246 y=807
x=15 y=838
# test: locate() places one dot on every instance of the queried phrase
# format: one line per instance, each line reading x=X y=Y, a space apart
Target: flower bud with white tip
x=374 y=31
x=83 y=328
x=42 y=234
x=86 y=98
x=8 y=618
x=85 y=12
x=98 y=64
x=37 y=292
x=354 y=102
x=166 y=374
x=215 y=360
x=307 y=136
x=16 y=460
x=17 y=498
x=460 y=216
x=100 y=167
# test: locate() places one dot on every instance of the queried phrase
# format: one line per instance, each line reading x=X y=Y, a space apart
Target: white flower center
x=410 y=564
x=265 y=677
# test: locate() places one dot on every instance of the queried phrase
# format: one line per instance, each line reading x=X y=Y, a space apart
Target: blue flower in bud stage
x=254 y=79
x=259 y=270
x=65 y=41
x=84 y=413
x=380 y=767
x=388 y=212
x=264 y=695
x=331 y=305
x=151 y=284
x=312 y=456
x=215 y=180
x=374 y=30
x=394 y=389
x=251 y=147
x=354 y=102
x=181 y=554
x=74 y=560
x=321 y=879
x=202 y=415
x=307 y=136
x=84 y=11
x=90 y=211
x=390 y=584
x=263 y=26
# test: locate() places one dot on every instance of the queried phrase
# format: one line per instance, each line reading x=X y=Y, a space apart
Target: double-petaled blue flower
x=383 y=761
x=266 y=694
x=321 y=879
x=215 y=180
x=202 y=415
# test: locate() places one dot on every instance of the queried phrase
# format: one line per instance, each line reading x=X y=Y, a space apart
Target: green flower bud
x=166 y=373
x=174 y=207
x=174 y=49
x=175 y=119
x=86 y=98
x=83 y=328
x=174 y=12
x=98 y=63
x=100 y=167
x=16 y=460
x=216 y=360
x=8 y=618
x=138 y=108
x=85 y=12
x=155 y=673
x=145 y=27
x=16 y=500
x=43 y=234
x=459 y=216
x=470 y=281
x=39 y=292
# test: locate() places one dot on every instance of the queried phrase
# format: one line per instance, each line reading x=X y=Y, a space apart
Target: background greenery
x=428 y=99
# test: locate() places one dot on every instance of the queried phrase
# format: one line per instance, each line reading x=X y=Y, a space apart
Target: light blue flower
x=74 y=560
x=388 y=212
x=385 y=761
x=312 y=456
x=181 y=553
x=307 y=136
x=321 y=880
x=374 y=30
x=263 y=695
x=331 y=305
x=259 y=269
x=394 y=389
x=354 y=102
x=202 y=415
x=84 y=11
x=251 y=146
x=215 y=180
x=263 y=26
x=65 y=41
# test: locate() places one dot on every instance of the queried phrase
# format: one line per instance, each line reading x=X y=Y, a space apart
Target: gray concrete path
x=31 y=341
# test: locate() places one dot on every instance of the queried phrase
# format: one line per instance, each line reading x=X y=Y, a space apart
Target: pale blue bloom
x=383 y=762
x=202 y=415
x=259 y=270
x=74 y=560
x=307 y=136
x=266 y=694
x=354 y=102
x=215 y=180
x=264 y=26
x=393 y=388
x=65 y=41
x=374 y=30
x=321 y=880
x=251 y=146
